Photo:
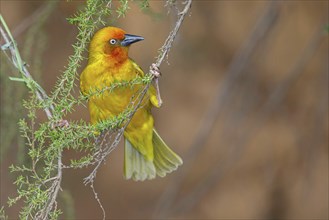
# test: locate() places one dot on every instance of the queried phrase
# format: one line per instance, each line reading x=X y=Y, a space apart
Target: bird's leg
x=155 y=71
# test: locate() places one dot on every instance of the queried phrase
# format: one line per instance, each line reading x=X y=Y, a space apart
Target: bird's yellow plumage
x=146 y=154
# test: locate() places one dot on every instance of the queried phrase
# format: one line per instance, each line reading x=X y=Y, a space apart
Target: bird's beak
x=130 y=39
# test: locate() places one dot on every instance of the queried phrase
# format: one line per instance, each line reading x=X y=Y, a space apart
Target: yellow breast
x=95 y=82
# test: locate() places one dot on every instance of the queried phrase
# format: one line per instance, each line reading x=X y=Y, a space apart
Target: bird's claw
x=155 y=70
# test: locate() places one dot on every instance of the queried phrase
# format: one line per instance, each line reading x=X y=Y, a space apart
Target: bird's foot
x=155 y=71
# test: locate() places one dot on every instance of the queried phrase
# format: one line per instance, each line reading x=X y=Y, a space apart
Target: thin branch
x=98 y=200
x=164 y=52
x=20 y=64
x=237 y=66
x=137 y=101
x=42 y=96
x=57 y=185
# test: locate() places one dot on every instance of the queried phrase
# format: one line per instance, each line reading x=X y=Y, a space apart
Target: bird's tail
x=165 y=160
x=138 y=168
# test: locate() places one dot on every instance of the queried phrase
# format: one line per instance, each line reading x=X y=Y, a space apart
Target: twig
x=20 y=65
x=98 y=200
x=57 y=185
x=221 y=96
x=164 y=52
x=103 y=155
x=42 y=96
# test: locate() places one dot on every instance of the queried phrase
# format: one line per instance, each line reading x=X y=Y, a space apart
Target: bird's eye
x=113 y=41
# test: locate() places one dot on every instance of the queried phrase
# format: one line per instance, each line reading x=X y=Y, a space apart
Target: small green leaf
x=17 y=79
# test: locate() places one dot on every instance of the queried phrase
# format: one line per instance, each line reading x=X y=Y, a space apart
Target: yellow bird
x=146 y=154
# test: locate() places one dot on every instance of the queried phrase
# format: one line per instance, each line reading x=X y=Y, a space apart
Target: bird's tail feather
x=137 y=167
x=165 y=160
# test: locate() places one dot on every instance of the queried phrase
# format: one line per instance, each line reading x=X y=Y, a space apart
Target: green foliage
x=38 y=181
x=123 y=8
x=144 y=5
x=3 y=215
x=35 y=38
x=86 y=21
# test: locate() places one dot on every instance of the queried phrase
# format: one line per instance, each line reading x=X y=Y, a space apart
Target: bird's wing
x=83 y=82
x=153 y=97
x=152 y=91
x=138 y=69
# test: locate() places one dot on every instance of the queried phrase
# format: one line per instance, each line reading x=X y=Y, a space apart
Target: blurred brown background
x=245 y=105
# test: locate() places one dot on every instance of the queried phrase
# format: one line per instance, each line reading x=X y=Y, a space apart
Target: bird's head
x=112 y=44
